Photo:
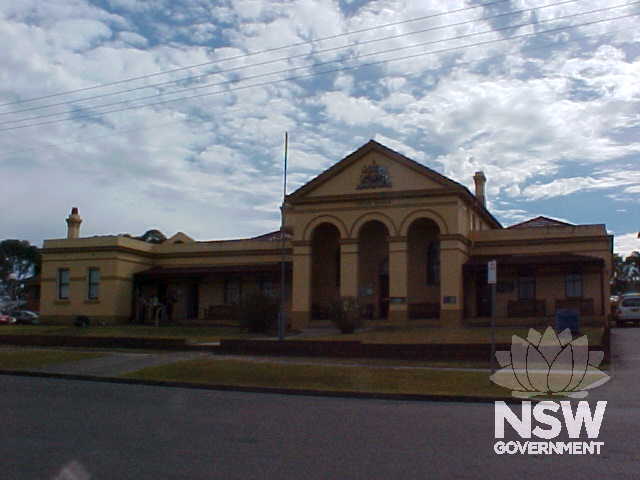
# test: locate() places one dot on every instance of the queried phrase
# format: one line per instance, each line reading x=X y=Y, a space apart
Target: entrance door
x=192 y=301
x=483 y=294
x=383 y=297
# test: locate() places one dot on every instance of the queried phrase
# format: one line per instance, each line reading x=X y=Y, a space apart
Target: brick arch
x=426 y=213
x=335 y=221
x=379 y=216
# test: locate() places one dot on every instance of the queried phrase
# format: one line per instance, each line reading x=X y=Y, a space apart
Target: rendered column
x=452 y=258
x=349 y=268
x=301 y=287
x=398 y=280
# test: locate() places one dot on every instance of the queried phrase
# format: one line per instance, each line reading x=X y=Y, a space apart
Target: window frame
x=267 y=286
x=572 y=279
x=91 y=283
x=527 y=278
x=60 y=284
x=227 y=283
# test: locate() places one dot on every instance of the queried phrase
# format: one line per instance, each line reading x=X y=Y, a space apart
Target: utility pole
x=492 y=278
x=283 y=273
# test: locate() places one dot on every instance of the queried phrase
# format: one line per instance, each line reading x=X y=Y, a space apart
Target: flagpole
x=282 y=316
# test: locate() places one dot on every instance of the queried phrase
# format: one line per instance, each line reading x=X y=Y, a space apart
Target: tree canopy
x=18 y=257
x=626 y=273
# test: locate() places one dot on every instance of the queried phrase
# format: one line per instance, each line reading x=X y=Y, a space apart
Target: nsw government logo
x=549 y=365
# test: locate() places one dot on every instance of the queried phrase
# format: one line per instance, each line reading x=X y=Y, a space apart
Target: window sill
x=92 y=300
x=62 y=301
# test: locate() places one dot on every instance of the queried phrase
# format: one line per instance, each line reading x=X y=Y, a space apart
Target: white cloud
x=626 y=243
x=542 y=125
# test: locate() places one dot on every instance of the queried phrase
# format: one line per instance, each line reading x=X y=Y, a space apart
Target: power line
x=259 y=52
x=97 y=114
x=280 y=59
x=162 y=124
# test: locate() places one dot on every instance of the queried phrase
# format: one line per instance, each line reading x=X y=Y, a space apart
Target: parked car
x=27 y=317
x=628 y=309
x=7 y=319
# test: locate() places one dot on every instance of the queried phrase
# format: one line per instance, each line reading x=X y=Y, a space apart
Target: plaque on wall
x=374 y=176
x=397 y=299
x=449 y=299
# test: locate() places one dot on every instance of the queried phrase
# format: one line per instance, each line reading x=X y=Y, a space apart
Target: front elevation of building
x=407 y=242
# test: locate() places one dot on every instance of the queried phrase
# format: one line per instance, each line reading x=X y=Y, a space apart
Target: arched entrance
x=373 y=269
x=423 y=269
x=325 y=269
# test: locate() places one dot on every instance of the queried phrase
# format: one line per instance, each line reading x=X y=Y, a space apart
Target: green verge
x=333 y=378
x=21 y=359
x=194 y=334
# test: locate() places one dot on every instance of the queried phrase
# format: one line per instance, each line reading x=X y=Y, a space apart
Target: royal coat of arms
x=374 y=176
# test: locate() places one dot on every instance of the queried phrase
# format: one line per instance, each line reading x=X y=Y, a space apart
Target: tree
x=626 y=273
x=18 y=261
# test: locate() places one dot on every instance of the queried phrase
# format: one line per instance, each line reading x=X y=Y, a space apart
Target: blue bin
x=568 y=318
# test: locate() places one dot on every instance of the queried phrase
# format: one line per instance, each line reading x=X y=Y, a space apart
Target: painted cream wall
x=119 y=258
x=115 y=290
x=550 y=286
x=587 y=240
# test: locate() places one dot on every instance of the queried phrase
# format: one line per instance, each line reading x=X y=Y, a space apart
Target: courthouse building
x=408 y=242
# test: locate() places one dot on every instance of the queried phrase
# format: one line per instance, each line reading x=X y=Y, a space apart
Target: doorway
x=483 y=294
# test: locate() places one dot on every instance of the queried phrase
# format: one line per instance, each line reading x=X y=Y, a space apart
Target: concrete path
x=115 y=364
x=624 y=387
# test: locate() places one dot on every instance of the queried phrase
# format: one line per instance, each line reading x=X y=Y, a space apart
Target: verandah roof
x=479 y=261
x=202 y=271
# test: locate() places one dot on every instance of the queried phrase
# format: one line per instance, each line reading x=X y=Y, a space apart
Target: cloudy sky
x=171 y=114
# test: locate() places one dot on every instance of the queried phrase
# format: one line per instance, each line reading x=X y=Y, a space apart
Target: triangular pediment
x=541 y=222
x=180 y=237
x=373 y=168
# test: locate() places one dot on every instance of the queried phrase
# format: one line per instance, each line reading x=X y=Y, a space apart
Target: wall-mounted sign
x=492 y=272
x=397 y=299
x=449 y=299
x=374 y=176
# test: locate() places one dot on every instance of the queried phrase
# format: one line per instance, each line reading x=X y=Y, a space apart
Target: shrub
x=258 y=312
x=345 y=314
x=82 y=321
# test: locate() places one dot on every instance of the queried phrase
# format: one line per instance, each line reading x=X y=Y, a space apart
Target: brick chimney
x=73 y=224
x=480 y=180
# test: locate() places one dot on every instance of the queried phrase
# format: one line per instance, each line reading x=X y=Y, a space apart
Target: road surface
x=76 y=430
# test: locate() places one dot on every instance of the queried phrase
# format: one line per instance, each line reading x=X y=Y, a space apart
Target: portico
x=385 y=230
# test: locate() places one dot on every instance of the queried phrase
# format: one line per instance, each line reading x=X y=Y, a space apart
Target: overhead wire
x=162 y=124
x=359 y=43
x=298 y=77
x=259 y=52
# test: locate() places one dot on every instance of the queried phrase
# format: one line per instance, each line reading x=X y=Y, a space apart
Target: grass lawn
x=444 y=335
x=325 y=377
x=193 y=334
x=19 y=359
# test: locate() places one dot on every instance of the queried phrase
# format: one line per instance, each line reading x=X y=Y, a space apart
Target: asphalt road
x=76 y=430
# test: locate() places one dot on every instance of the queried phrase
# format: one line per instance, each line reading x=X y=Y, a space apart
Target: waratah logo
x=549 y=364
